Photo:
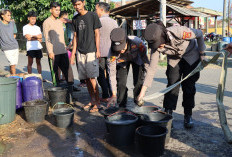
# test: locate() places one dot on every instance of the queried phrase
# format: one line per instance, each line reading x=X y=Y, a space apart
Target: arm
x=49 y=45
x=229 y=48
x=111 y=63
x=74 y=50
x=151 y=69
x=97 y=40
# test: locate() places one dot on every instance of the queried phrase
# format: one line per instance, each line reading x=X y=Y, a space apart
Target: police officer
x=184 y=48
x=125 y=51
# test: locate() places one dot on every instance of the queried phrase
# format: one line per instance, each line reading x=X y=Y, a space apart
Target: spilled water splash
x=79 y=152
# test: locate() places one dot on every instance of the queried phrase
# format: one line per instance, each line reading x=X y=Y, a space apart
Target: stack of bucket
x=225 y=40
x=151 y=126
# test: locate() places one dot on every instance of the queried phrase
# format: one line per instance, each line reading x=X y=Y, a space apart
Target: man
x=34 y=36
x=86 y=41
x=184 y=48
x=8 y=43
x=108 y=24
x=126 y=51
x=55 y=42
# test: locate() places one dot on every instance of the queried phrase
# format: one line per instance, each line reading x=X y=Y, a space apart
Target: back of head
x=31 y=14
x=62 y=13
x=156 y=34
x=74 y=1
x=54 y=5
x=4 y=12
x=104 y=6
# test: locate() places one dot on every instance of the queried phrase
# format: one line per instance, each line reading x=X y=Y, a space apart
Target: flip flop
x=88 y=106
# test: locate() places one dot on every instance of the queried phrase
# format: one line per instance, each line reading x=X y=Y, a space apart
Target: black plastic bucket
x=158 y=118
x=151 y=140
x=64 y=117
x=35 y=110
x=121 y=126
x=144 y=109
x=138 y=111
x=57 y=94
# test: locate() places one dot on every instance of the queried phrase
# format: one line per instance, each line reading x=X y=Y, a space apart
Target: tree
x=20 y=9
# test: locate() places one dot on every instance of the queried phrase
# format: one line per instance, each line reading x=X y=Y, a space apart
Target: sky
x=210 y=4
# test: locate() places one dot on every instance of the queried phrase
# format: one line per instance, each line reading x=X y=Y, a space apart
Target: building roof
x=149 y=8
x=208 y=11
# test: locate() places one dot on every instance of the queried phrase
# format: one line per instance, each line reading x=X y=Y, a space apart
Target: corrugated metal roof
x=208 y=11
x=186 y=12
x=151 y=8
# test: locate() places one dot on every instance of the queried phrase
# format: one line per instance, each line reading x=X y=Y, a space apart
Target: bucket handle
x=62 y=103
x=1 y=116
x=121 y=112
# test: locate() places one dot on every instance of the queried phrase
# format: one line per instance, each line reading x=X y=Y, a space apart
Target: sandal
x=88 y=106
x=94 y=109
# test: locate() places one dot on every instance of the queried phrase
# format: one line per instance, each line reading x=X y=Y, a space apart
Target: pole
x=229 y=10
x=163 y=11
x=224 y=19
x=123 y=2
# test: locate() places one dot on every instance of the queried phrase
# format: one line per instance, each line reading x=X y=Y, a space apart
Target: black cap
x=155 y=35
x=118 y=39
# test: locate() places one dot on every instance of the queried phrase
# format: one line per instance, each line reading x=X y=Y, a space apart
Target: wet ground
x=87 y=137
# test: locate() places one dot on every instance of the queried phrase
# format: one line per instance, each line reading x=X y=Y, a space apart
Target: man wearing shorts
x=86 y=41
x=34 y=36
x=8 y=43
x=54 y=37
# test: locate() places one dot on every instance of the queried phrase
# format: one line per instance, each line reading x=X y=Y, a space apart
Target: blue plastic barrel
x=32 y=89
x=226 y=39
x=230 y=39
x=19 y=98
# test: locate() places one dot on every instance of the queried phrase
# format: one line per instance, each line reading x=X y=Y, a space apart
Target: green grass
x=210 y=43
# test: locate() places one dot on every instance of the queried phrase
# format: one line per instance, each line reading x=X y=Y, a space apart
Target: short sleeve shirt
x=32 y=30
x=85 y=26
x=7 y=40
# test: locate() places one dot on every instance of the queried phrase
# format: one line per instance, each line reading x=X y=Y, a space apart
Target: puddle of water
x=80 y=153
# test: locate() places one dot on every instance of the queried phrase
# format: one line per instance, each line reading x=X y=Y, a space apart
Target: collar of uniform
x=105 y=15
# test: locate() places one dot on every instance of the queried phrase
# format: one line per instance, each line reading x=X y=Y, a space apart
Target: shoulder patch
x=133 y=46
x=187 y=35
x=112 y=58
x=141 y=47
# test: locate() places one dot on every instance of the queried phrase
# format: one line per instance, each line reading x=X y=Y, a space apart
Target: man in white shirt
x=34 y=36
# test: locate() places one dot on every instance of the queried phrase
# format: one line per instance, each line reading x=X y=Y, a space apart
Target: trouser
x=62 y=62
x=138 y=79
x=188 y=86
x=103 y=78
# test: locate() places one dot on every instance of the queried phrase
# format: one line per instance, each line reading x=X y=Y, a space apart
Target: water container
x=32 y=89
x=221 y=45
x=7 y=99
x=19 y=98
x=226 y=39
x=230 y=39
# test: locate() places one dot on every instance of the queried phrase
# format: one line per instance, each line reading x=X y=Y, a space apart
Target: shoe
x=188 y=122
x=105 y=100
x=168 y=111
x=75 y=89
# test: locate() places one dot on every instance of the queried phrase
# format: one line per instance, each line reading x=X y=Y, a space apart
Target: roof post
x=224 y=19
x=163 y=11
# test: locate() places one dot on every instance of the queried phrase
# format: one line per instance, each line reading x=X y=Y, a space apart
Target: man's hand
x=112 y=100
x=203 y=58
x=229 y=48
x=72 y=59
x=98 y=54
x=51 y=56
x=28 y=37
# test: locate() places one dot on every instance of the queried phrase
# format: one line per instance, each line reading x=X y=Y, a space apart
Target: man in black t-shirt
x=86 y=41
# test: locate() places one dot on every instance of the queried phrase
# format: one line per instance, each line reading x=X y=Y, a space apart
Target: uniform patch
x=141 y=47
x=112 y=58
x=133 y=46
x=187 y=35
x=120 y=60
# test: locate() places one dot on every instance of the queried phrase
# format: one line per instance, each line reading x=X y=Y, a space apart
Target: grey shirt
x=108 y=24
x=185 y=43
x=7 y=40
x=136 y=52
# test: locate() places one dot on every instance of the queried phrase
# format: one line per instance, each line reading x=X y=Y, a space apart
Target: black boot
x=188 y=121
x=168 y=111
